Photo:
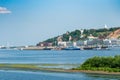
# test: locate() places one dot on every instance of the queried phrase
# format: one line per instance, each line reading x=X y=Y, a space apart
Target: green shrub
x=111 y=64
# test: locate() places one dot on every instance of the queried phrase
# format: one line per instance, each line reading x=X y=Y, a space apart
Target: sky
x=27 y=22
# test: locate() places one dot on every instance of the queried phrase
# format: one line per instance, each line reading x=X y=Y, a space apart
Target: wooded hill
x=101 y=33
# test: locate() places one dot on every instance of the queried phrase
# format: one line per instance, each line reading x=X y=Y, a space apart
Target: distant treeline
x=111 y=64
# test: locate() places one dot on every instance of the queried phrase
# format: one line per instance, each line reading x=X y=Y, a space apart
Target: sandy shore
x=94 y=72
x=35 y=67
x=81 y=71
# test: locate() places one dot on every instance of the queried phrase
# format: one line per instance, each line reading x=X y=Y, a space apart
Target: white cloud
x=4 y=10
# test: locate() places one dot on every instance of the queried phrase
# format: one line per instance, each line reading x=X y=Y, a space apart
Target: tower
x=106 y=27
x=70 y=38
x=81 y=33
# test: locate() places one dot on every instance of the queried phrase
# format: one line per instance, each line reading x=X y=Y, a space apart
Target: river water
x=52 y=57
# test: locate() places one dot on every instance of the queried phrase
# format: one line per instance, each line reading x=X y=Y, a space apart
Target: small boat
x=71 y=48
x=97 y=48
x=101 y=48
x=46 y=48
x=20 y=49
x=87 y=48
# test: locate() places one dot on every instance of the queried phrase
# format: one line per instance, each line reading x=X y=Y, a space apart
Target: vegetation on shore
x=109 y=64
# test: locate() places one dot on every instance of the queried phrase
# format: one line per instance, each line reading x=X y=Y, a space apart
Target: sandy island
x=35 y=67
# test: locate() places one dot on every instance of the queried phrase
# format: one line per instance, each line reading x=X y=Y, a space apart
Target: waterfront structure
x=107 y=42
x=80 y=43
x=115 y=42
x=91 y=43
x=69 y=43
x=111 y=42
x=66 y=44
x=44 y=44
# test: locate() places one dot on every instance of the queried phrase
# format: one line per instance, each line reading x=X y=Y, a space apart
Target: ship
x=71 y=48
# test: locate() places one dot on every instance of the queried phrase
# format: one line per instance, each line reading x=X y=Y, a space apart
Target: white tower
x=70 y=38
x=81 y=33
x=106 y=27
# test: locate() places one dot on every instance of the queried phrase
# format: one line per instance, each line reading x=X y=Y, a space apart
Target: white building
x=107 y=42
x=65 y=44
x=91 y=37
x=61 y=43
x=111 y=42
x=115 y=42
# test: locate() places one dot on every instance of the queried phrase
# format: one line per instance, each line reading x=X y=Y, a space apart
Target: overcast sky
x=27 y=22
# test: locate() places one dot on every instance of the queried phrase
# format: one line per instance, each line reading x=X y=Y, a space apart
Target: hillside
x=76 y=35
x=115 y=34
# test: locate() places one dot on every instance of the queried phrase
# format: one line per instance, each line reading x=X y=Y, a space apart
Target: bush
x=111 y=64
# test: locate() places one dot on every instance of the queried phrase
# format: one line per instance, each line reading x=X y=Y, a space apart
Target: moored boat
x=71 y=48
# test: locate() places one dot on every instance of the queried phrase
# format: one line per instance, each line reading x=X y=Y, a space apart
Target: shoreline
x=36 y=68
x=65 y=71
x=95 y=72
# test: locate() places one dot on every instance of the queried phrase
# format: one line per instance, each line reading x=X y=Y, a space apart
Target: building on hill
x=91 y=37
x=85 y=37
x=59 y=39
x=67 y=33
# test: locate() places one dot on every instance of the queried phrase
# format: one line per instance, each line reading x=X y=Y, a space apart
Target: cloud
x=4 y=10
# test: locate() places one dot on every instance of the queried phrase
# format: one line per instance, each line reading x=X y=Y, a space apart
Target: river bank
x=36 y=68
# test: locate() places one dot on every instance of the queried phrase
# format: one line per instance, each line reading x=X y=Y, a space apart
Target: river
x=52 y=57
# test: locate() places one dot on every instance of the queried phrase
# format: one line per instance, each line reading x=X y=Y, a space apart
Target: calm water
x=52 y=57
x=22 y=75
